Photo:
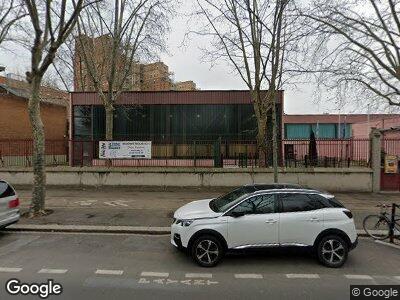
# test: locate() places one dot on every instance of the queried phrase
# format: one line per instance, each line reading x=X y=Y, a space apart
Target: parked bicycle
x=378 y=226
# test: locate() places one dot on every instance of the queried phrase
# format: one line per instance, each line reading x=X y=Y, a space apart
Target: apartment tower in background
x=141 y=77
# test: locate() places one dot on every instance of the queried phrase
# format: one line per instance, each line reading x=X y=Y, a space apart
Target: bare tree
x=360 y=40
x=253 y=37
x=112 y=36
x=52 y=22
x=10 y=13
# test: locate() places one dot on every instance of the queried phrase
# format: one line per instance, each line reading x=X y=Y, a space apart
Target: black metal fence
x=219 y=153
x=201 y=153
x=329 y=153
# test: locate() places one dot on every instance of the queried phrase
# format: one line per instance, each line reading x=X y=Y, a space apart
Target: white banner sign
x=125 y=149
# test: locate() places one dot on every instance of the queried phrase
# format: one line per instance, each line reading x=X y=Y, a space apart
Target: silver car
x=9 y=205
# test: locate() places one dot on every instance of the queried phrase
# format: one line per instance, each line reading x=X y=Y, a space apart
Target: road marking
x=154 y=274
x=248 y=276
x=10 y=270
x=353 y=276
x=198 y=275
x=159 y=281
x=170 y=281
x=86 y=202
x=53 y=271
x=199 y=282
x=109 y=272
x=117 y=203
x=143 y=280
x=308 y=276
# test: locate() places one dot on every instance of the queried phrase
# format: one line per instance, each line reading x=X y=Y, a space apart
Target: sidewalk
x=148 y=207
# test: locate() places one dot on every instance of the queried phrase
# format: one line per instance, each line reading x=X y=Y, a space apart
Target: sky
x=186 y=64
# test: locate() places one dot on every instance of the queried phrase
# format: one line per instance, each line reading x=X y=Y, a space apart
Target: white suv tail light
x=13 y=203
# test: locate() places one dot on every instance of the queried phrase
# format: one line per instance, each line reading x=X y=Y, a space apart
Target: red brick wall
x=14 y=119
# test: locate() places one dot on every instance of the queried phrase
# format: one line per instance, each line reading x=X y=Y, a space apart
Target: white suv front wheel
x=332 y=251
x=207 y=251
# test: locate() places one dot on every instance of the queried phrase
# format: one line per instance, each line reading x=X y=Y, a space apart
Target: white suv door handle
x=314 y=220
x=270 y=221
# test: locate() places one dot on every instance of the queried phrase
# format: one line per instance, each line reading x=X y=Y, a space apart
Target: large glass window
x=83 y=122
x=297 y=131
x=343 y=131
x=321 y=130
x=325 y=131
x=179 y=123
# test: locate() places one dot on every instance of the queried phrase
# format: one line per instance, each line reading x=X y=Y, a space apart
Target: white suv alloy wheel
x=207 y=251
x=332 y=251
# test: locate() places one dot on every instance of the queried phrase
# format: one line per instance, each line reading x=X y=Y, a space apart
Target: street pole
x=368 y=119
x=339 y=125
x=392 y=222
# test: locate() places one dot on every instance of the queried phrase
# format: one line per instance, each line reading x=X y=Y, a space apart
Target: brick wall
x=14 y=119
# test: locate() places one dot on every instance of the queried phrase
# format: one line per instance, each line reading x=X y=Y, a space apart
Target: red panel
x=390 y=182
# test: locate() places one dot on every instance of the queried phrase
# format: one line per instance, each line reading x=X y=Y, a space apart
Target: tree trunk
x=274 y=140
x=109 y=121
x=38 y=160
x=261 y=136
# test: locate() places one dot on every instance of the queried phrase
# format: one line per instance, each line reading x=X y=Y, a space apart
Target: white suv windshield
x=224 y=202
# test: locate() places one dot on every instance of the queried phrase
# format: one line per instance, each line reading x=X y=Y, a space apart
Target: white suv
x=9 y=205
x=256 y=216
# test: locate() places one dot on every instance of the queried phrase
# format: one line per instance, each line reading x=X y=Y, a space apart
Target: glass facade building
x=168 y=122
x=171 y=117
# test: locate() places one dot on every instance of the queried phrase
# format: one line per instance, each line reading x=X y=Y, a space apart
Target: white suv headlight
x=184 y=222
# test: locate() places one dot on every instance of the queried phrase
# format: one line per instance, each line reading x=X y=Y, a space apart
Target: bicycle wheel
x=376 y=227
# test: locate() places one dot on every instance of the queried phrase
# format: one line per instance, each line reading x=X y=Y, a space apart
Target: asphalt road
x=100 y=266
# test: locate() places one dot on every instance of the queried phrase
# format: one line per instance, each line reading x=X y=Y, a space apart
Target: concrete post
x=375 y=138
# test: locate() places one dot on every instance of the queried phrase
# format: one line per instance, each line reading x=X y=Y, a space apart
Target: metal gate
x=390 y=182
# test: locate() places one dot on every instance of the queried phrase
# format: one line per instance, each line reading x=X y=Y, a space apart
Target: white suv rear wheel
x=332 y=251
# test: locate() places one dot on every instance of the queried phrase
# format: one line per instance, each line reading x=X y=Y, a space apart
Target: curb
x=151 y=230
x=388 y=244
x=90 y=229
